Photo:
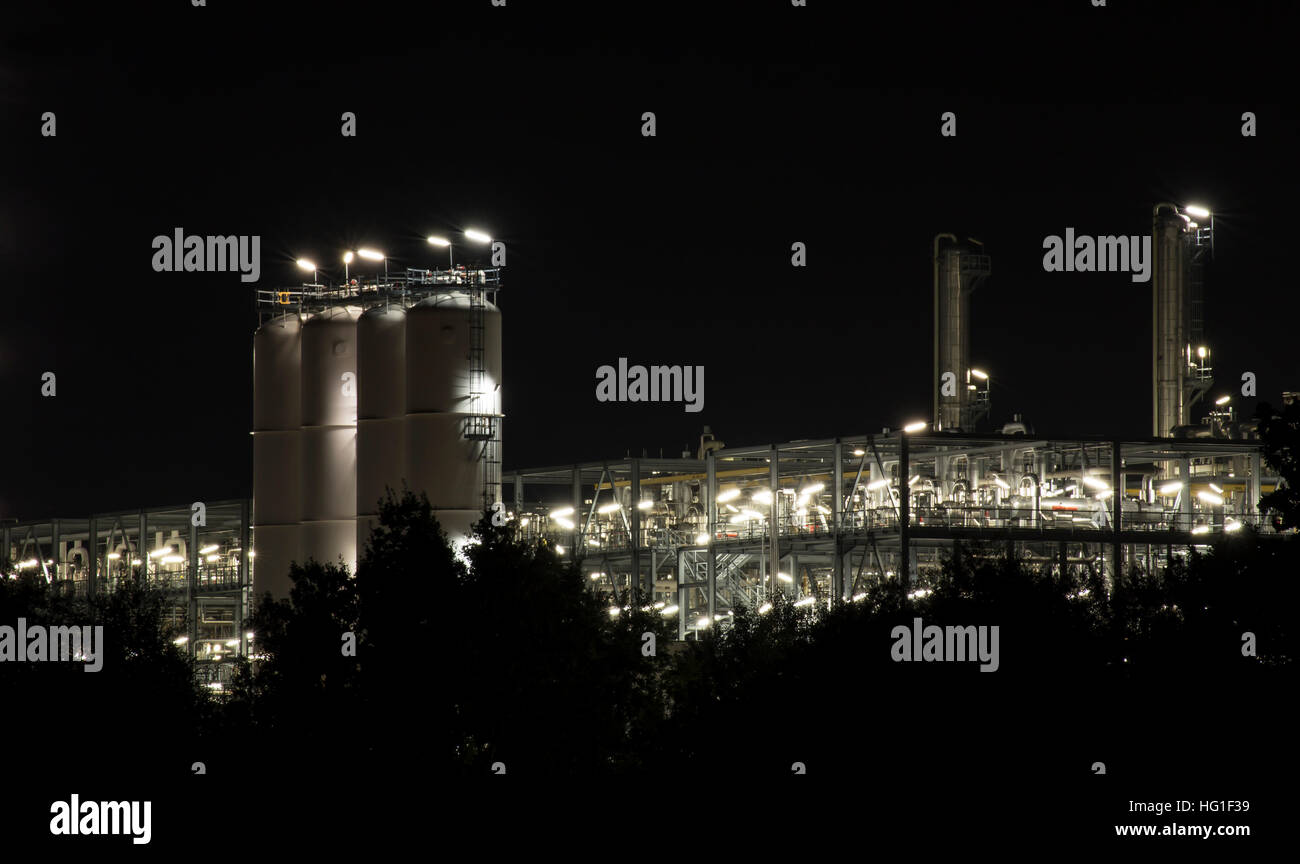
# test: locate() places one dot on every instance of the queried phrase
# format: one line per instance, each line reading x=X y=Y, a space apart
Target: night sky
x=775 y=125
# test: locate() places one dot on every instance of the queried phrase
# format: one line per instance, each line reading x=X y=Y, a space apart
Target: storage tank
x=329 y=435
x=277 y=451
x=440 y=376
x=381 y=412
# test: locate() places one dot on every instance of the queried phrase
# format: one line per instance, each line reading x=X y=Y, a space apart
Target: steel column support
x=192 y=585
x=711 y=514
x=245 y=579
x=1117 y=499
x=904 y=514
x=681 y=605
x=142 y=552
x=1253 y=492
x=635 y=531
x=773 y=520
x=575 y=548
x=1185 y=499
x=837 y=505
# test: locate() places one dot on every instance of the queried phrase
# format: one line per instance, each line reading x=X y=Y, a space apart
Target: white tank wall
x=322 y=457
x=277 y=441
x=329 y=420
x=381 y=412
x=439 y=460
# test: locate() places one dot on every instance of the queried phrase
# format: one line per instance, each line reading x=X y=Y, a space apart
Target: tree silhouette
x=1280 y=434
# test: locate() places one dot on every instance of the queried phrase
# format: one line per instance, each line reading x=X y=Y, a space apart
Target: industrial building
x=393 y=380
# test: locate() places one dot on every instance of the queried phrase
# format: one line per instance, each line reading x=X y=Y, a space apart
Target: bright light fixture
x=785 y=577
x=729 y=495
x=1094 y=482
x=347 y=257
x=1223 y=400
x=983 y=376
x=438 y=241
x=477 y=236
x=1209 y=498
x=765 y=608
x=812 y=489
x=669 y=610
x=561 y=512
x=1171 y=488
x=605 y=509
x=645 y=504
x=1197 y=211
x=701 y=539
x=305 y=264
x=859 y=452
x=1217 y=488
x=876 y=484
x=371 y=254
x=209 y=549
x=915 y=427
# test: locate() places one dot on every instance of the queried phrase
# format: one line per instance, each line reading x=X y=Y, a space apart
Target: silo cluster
x=350 y=400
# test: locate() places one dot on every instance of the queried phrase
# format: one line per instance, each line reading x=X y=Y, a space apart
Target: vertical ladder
x=481 y=424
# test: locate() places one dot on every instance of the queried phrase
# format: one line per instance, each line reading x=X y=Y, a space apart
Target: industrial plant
x=396 y=380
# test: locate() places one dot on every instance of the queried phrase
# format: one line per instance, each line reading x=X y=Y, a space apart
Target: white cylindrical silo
x=381 y=412
x=329 y=436
x=440 y=376
x=277 y=450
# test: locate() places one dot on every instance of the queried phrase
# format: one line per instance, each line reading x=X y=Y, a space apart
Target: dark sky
x=776 y=125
